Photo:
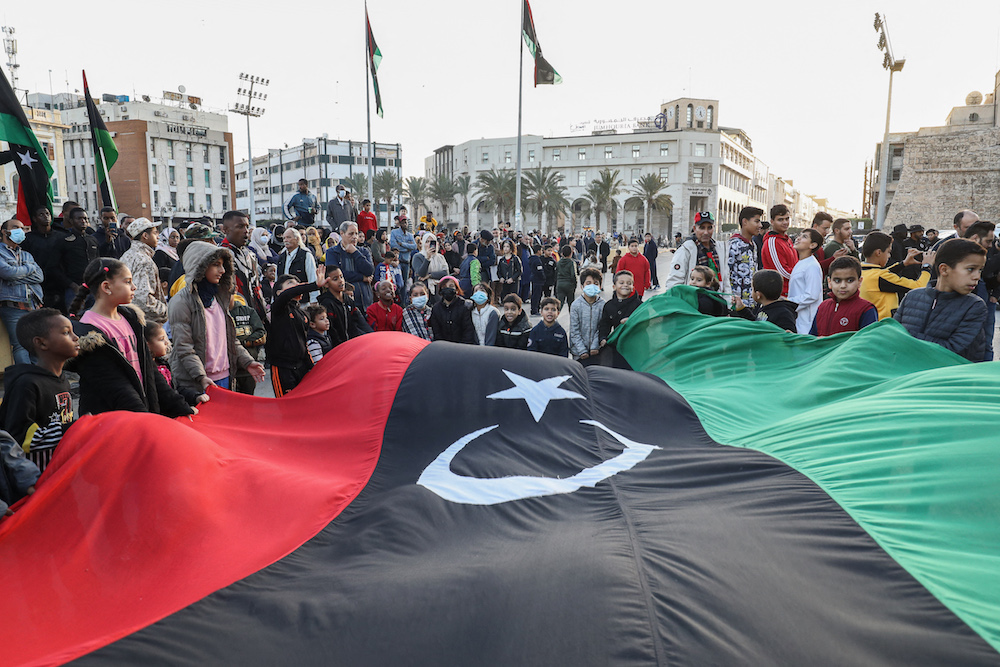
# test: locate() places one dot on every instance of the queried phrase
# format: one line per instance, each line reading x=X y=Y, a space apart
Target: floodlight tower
x=890 y=63
x=247 y=109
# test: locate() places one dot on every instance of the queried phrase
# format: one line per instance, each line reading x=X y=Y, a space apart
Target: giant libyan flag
x=755 y=498
x=105 y=151
x=34 y=189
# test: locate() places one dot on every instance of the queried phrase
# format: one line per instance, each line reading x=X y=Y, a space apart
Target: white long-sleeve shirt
x=805 y=289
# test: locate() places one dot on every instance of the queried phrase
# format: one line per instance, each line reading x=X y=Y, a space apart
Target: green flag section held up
x=374 y=60
x=544 y=72
x=105 y=151
x=34 y=189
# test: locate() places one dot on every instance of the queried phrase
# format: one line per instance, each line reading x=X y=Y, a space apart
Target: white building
x=322 y=161
x=49 y=129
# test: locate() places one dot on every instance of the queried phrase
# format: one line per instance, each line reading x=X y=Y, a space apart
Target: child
x=710 y=302
x=485 y=316
x=470 y=271
x=585 y=318
x=845 y=310
x=622 y=304
x=416 y=316
x=590 y=262
x=206 y=351
x=550 y=261
x=515 y=326
x=638 y=266
x=318 y=340
x=566 y=277
x=346 y=319
x=159 y=348
x=286 y=344
x=389 y=270
x=614 y=261
x=250 y=330
x=770 y=305
x=883 y=285
x=37 y=407
x=267 y=284
x=451 y=319
x=548 y=336
x=805 y=287
x=948 y=313
x=536 y=271
x=385 y=314
x=116 y=369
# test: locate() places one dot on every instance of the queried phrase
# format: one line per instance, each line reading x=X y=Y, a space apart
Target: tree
x=358 y=184
x=385 y=185
x=650 y=189
x=496 y=188
x=442 y=190
x=463 y=185
x=542 y=189
x=416 y=193
x=594 y=201
x=602 y=191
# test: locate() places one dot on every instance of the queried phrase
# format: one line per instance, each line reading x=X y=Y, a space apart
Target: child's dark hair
x=623 y=272
x=514 y=299
x=279 y=282
x=536 y=249
x=550 y=301
x=35 y=324
x=566 y=251
x=845 y=262
x=951 y=253
x=164 y=274
x=769 y=283
x=708 y=274
x=590 y=273
x=151 y=330
x=875 y=241
x=314 y=310
x=814 y=237
x=389 y=254
x=419 y=284
x=471 y=249
x=486 y=288
x=99 y=270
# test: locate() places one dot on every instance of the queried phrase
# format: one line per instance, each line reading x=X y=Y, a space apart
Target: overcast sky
x=804 y=80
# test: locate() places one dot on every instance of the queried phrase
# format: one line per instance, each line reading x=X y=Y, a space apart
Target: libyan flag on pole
x=105 y=152
x=34 y=172
x=374 y=60
x=544 y=72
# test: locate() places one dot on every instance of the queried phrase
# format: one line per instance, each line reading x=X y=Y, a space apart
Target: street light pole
x=246 y=109
x=890 y=63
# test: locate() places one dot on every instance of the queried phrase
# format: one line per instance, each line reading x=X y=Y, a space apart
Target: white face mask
x=341 y=193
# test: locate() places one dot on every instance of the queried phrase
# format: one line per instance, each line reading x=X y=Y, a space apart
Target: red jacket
x=779 y=255
x=851 y=314
x=366 y=221
x=639 y=266
x=385 y=319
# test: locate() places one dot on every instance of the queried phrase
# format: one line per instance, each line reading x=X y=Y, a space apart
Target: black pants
x=536 y=297
x=283 y=379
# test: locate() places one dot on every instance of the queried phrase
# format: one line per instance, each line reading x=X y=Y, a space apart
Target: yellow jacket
x=883 y=288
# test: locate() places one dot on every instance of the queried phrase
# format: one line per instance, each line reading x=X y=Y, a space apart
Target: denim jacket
x=20 y=276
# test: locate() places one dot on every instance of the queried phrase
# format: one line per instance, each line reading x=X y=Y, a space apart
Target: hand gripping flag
x=34 y=189
x=544 y=72
x=536 y=512
x=374 y=60
x=105 y=151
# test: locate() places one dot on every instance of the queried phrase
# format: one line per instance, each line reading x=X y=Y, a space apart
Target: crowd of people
x=149 y=319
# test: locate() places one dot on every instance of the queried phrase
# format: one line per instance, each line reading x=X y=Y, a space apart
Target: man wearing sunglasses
x=700 y=249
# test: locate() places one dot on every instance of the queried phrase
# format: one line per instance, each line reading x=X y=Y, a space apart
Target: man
x=355 y=262
x=62 y=222
x=700 y=250
x=988 y=288
x=402 y=241
x=20 y=284
x=487 y=255
x=961 y=223
x=843 y=239
x=74 y=251
x=40 y=241
x=603 y=251
x=743 y=255
x=651 y=252
x=110 y=241
x=301 y=206
x=339 y=210
x=367 y=221
x=458 y=244
x=822 y=222
x=149 y=296
x=779 y=253
x=236 y=226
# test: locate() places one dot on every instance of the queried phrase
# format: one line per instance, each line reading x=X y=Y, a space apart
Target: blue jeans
x=223 y=383
x=10 y=317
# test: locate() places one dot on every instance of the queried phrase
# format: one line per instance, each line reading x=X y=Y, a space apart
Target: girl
x=159 y=348
x=709 y=303
x=315 y=244
x=378 y=245
x=805 y=287
x=166 y=251
x=116 y=369
x=485 y=316
x=416 y=316
x=590 y=262
x=508 y=269
x=451 y=318
x=206 y=350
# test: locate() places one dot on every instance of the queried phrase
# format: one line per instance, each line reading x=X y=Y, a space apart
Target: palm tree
x=538 y=187
x=358 y=184
x=496 y=188
x=442 y=190
x=416 y=193
x=650 y=188
x=606 y=187
x=595 y=202
x=557 y=202
x=463 y=184
x=385 y=185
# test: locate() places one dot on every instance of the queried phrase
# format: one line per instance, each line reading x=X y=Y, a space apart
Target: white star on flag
x=536 y=394
x=26 y=158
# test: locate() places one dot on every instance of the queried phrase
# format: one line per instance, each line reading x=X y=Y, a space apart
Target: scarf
x=164 y=244
x=206 y=292
x=260 y=247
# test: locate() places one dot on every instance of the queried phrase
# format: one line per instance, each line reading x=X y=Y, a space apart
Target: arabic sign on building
x=613 y=125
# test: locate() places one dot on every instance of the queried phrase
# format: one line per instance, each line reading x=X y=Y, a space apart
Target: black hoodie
x=35 y=402
x=780 y=312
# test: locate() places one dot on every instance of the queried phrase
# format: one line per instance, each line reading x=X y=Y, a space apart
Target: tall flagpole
x=520 y=94
x=107 y=180
x=368 y=108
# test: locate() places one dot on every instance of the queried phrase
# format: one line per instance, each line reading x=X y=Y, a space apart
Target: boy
x=514 y=325
x=37 y=407
x=346 y=319
x=470 y=272
x=585 y=317
x=366 y=219
x=548 y=336
x=638 y=266
x=536 y=273
x=566 y=276
x=949 y=314
x=385 y=314
x=845 y=310
x=882 y=285
x=416 y=316
x=318 y=340
x=549 y=262
x=771 y=306
x=286 y=346
x=251 y=334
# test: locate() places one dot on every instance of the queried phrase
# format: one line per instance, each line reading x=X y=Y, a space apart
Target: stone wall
x=944 y=171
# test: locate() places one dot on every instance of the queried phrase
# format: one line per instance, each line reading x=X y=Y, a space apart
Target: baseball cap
x=703 y=216
x=139 y=225
x=197 y=230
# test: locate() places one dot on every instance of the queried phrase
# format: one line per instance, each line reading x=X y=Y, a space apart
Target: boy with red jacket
x=845 y=310
x=779 y=253
x=638 y=265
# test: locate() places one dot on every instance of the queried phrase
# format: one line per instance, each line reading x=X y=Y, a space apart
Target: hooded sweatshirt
x=514 y=334
x=37 y=407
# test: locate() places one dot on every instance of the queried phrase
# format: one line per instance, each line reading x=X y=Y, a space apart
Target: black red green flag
x=34 y=189
x=374 y=60
x=544 y=72
x=105 y=151
x=559 y=514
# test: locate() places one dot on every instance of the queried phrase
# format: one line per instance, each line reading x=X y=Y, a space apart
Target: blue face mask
x=419 y=301
x=591 y=290
x=479 y=297
x=17 y=235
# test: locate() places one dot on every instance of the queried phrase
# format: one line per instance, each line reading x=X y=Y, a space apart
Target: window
x=486 y=157
x=711 y=116
x=156 y=198
x=74 y=177
x=635 y=175
x=83 y=174
x=531 y=156
x=208 y=178
x=506 y=157
x=71 y=155
x=225 y=203
x=154 y=175
x=208 y=202
x=581 y=154
x=896 y=173
x=699 y=150
x=170 y=149
x=170 y=171
x=608 y=153
x=190 y=201
x=698 y=175
x=664 y=150
x=581 y=178
x=187 y=152
x=173 y=199
x=635 y=151
x=222 y=155
x=190 y=177
x=665 y=173
x=677 y=116
x=556 y=155
x=690 y=115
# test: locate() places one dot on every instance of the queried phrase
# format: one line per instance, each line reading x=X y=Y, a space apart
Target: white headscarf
x=164 y=243
x=258 y=242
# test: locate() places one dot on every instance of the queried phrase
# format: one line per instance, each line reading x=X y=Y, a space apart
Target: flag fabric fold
x=374 y=60
x=545 y=74
x=105 y=151
x=33 y=168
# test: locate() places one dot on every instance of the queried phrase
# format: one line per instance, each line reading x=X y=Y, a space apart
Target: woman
x=453 y=258
x=485 y=316
x=260 y=240
x=315 y=244
x=378 y=246
x=20 y=284
x=428 y=265
x=166 y=251
x=451 y=317
x=508 y=269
